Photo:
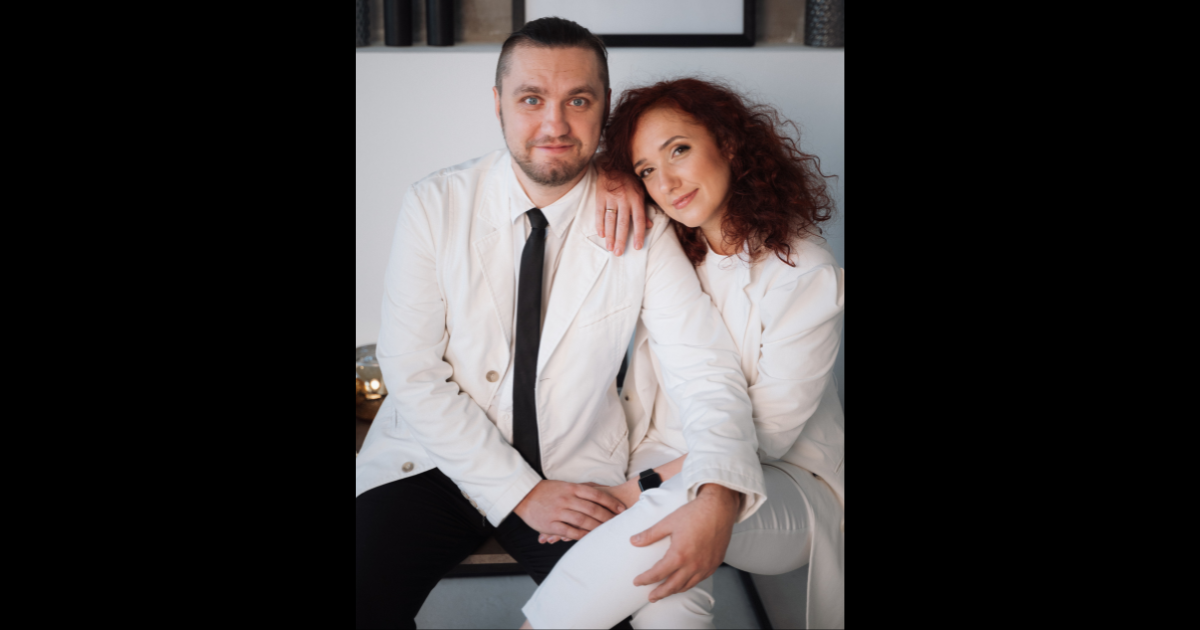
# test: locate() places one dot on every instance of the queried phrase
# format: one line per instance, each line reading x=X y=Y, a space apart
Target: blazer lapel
x=581 y=264
x=494 y=254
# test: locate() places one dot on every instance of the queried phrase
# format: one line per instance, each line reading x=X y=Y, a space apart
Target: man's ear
x=496 y=94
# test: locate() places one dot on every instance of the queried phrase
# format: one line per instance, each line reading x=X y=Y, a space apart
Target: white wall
x=418 y=110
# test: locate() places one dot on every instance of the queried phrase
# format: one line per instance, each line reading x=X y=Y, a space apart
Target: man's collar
x=560 y=213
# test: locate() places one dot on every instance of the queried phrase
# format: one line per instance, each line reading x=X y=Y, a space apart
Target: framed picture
x=651 y=23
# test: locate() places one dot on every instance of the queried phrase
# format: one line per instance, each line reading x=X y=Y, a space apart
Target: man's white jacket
x=446 y=343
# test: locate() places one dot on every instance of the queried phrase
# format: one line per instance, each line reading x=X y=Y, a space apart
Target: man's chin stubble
x=552 y=177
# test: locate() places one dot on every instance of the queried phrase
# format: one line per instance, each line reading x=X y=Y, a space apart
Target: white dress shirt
x=559 y=215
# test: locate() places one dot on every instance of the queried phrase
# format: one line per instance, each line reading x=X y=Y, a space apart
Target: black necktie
x=529 y=338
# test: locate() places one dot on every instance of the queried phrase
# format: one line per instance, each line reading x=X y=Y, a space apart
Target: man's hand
x=569 y=510
x=624 y=194
x=627 y=493
x=700 y=533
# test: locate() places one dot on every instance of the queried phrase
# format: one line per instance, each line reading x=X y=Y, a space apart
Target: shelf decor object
x=439 y=22
x=362 y=23
x=825 y=24
x=658 y=24
x=369 y=390
x=398 y=22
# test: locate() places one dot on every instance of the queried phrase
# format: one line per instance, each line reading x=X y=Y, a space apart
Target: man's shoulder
x=661 y=227
x=470 y=173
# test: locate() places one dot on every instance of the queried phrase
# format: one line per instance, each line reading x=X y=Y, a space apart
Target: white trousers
x=592 y=586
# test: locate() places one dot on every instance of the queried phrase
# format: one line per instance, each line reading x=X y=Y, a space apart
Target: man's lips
x=682 y=202
x=556 y=149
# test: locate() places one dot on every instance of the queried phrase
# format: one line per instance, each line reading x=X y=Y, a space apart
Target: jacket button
x=626 y=399
x=408 y=467
x=492 y=376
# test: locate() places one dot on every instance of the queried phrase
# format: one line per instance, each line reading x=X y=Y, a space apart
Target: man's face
x=552 y=110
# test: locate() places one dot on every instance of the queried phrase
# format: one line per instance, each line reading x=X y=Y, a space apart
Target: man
x=505 y=321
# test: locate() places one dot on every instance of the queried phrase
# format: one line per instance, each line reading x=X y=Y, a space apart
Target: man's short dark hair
x=553 y=32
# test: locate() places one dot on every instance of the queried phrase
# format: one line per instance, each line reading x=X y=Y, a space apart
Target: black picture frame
x=746 y=39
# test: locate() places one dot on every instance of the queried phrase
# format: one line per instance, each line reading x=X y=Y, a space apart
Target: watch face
x=650 y=481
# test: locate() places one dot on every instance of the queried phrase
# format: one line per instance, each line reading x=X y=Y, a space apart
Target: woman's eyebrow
x=664 y=145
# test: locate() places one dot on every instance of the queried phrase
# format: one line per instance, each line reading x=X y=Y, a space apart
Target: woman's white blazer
x=788 y=324
x=445 y=345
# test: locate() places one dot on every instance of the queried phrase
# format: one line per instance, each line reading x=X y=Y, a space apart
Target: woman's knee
x=769 y=553
x=778 y=538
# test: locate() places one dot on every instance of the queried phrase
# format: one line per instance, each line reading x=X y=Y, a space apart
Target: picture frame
x=652 y=23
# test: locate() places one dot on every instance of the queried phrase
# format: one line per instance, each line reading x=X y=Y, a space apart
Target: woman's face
x=682 y=168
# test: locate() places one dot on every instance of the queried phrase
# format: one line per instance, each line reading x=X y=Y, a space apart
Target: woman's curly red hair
x=778 y=193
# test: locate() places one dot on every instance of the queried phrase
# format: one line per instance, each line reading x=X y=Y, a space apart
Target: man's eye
x=578 y=102
x=533 y=100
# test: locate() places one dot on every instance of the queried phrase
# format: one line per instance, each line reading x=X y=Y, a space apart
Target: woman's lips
x=682 y=202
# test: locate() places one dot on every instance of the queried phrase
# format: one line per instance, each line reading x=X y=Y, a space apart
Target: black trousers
x=409 y=534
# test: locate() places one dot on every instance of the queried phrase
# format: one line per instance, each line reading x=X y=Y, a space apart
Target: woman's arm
x=802 y=319
x=632 y=491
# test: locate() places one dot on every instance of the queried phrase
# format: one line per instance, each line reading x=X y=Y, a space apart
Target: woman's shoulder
x=808 y=254
x=814 y=288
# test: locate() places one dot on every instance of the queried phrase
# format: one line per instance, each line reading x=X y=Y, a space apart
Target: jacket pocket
x=393 y=427
x=623 y=440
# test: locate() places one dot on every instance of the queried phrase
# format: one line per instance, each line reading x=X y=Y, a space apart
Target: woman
x=746 y=205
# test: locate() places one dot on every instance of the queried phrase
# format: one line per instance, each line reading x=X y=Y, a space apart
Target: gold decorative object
x=366 y=369
x=369 y=389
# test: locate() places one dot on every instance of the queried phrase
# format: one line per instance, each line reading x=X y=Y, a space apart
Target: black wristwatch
x=650 y=480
